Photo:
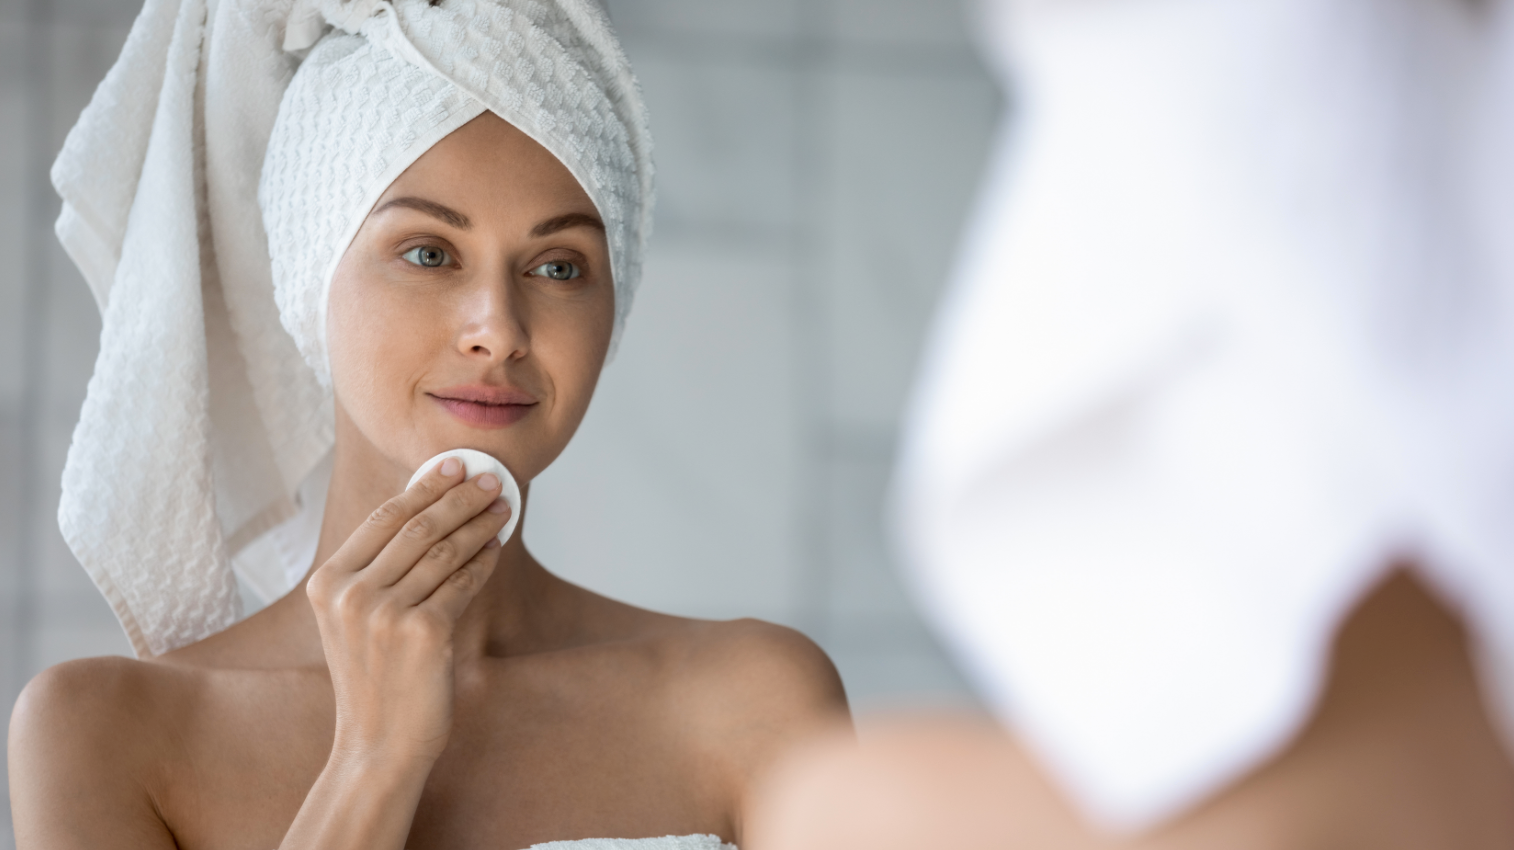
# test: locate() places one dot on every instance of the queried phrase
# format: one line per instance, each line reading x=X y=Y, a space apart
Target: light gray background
x=816 y=159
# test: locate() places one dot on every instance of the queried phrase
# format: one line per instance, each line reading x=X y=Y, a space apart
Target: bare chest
x=525 y=764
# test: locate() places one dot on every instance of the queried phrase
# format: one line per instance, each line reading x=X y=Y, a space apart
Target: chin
x=510 y=446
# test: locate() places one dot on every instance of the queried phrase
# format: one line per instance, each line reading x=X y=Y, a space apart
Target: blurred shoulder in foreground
x=1398 y=753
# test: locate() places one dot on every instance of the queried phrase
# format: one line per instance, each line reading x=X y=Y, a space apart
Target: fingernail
x=499 y=506
x=450 y=466
x=492 y=544
x=488 y=481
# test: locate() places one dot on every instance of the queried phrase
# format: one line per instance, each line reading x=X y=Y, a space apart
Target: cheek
x=573 y=350
x=369 y=334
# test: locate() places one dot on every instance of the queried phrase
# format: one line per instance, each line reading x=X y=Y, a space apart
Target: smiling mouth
x=484 y=414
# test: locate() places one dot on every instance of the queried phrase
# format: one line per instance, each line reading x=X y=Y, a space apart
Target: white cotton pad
x=476 y=463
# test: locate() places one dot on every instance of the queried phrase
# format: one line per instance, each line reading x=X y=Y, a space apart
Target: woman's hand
x=386 y=604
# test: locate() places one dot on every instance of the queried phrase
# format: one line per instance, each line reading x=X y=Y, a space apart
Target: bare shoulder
x=92 y=731
x=78 y=699
x=746 y=668
x=746 y=691
x=113 y=709
x=768 y=667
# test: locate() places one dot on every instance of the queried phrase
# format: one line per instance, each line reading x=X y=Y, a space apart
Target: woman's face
x=474 y=307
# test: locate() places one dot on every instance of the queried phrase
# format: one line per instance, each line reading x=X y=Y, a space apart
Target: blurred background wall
x=816 y=159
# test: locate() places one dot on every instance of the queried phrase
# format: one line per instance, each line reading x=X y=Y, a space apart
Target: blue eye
x=557 y=270
x=428 y=256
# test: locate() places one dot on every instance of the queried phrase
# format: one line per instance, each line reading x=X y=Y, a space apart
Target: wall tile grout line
x=34 y=279
x=33 y=271
x=812 y=501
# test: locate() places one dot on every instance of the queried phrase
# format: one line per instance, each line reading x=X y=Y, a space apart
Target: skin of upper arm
x=762 y=690
x=80 y=759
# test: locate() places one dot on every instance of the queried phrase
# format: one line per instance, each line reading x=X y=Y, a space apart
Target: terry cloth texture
x=209 y=412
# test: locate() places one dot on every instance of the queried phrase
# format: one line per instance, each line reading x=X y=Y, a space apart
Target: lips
x=485 y=407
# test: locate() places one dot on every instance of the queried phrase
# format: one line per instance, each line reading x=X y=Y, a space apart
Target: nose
x=492 y=327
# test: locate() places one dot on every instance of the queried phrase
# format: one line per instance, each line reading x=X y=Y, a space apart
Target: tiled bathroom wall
x=816 y=159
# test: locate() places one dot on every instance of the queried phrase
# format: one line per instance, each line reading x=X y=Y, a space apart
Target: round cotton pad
x=477 y=463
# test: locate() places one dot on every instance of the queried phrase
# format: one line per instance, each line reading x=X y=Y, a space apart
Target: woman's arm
x=81 y=753
x=386 y=604
x=754 y=691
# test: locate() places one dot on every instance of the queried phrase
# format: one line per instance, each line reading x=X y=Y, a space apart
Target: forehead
x=489 y=168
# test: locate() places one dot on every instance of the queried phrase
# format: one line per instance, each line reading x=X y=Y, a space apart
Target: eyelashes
x=557 y=270
x=436 y=257
x=428 y=256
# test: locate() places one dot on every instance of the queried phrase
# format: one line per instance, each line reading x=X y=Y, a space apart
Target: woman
x=455 y=198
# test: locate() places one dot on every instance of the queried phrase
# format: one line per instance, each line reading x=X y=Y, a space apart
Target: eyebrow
x=565 y=222
x=462 y=222
x=431 y=208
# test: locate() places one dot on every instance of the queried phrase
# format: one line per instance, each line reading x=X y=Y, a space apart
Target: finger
x=450 y=553
x=459 y=588
x=390 y=518
x=431 y=527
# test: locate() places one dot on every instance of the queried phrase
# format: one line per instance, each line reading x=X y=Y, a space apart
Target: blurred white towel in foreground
x=1233 y=329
